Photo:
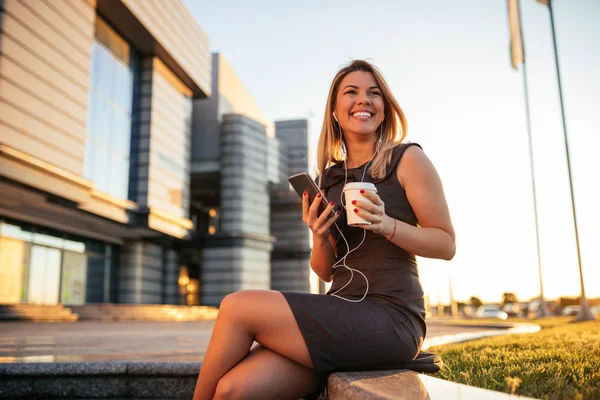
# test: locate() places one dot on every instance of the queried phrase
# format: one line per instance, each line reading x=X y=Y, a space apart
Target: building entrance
x=44 y=275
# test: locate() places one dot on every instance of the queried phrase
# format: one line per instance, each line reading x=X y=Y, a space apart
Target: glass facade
x=114 y=66
x=44 y=266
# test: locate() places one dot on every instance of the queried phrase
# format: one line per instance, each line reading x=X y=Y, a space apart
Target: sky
x=448 y=64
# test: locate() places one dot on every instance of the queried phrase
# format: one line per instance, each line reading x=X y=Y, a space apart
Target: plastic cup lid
x=360 y=185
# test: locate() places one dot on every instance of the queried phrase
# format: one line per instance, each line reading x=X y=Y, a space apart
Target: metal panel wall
x=141 y=273
x=174 y=27
x=290 y=269
x=44 y=76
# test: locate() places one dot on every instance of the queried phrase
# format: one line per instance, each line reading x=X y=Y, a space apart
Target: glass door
x=44 y=275
x=74 y=267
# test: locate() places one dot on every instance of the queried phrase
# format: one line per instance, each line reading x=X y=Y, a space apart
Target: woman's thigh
x=265 y=374
x=267 y=315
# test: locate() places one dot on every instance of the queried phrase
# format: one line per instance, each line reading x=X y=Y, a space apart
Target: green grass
x=561 y=361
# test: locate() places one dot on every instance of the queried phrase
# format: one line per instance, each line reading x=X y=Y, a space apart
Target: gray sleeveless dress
x=387 y=328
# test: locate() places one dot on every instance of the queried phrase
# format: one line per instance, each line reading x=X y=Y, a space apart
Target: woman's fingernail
x=353 y=201
x=306 y=193
x=319 y=195
x=361 y=191
x=337 y=213
x=356 y=210
x=332 y=204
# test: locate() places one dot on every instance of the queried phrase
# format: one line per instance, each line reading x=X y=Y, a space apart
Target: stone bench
x=404 y=385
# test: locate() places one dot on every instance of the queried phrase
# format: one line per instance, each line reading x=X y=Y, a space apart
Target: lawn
x=561 y=361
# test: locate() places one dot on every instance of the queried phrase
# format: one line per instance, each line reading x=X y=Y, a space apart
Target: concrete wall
x=44 y=76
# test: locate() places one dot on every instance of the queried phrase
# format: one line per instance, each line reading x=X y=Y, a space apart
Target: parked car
x=571 y=310
x=512 y=310
x=491 y=311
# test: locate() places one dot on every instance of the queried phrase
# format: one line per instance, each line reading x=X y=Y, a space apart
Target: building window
x=113 y=68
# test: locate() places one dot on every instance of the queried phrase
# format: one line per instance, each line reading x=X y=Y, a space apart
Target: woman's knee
x=227 y=389
x=241 y=301
x=234 y=302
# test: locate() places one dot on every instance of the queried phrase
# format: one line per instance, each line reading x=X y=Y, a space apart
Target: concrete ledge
x=88 y=380
x=404 y=385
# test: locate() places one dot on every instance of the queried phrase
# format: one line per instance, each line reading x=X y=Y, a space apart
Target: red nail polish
x=337 y=213
x=361 y=191
x=353 y=201
x=356 y=210
x=332 y=204
x=305 y=193
x=319 y=195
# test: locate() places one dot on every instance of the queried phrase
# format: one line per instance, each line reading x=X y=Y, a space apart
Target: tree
x=475 y=302
x=508 y=297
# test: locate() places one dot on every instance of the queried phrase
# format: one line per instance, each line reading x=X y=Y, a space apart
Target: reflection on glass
x=109 y=112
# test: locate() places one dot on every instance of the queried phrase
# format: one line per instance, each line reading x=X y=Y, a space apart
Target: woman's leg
x=265 y=374
x=245 y=316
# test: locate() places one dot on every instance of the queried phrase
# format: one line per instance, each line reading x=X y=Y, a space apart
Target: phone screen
x=303 y=182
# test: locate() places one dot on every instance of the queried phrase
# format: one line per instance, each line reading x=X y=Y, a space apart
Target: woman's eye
x=374 y=93
x=351 y=92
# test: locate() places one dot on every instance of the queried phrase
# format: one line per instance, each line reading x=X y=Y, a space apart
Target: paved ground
x=131 y=341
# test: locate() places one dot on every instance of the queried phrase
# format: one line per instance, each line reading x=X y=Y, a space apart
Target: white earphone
x=342 y=261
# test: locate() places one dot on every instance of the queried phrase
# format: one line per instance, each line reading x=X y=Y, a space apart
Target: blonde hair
x=393 y=128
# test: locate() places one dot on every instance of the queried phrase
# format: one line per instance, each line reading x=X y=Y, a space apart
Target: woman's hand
x=318 y=224
x=372 y=209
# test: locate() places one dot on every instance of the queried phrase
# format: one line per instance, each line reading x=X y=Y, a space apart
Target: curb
x=508 y=329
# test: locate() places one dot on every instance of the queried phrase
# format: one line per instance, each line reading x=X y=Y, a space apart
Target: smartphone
x=303 y=182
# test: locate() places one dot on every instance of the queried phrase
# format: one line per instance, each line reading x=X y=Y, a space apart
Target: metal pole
x=453 y=305
x=585 y=314
x=542 y=310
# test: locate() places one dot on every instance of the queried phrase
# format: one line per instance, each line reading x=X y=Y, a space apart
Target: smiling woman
x=374 y=319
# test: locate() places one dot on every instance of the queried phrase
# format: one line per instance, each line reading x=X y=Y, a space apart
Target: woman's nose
x=363 y=99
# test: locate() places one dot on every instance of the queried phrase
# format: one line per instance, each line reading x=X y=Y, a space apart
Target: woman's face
x=359 y=105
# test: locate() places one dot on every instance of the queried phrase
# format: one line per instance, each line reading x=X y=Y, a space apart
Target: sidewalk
x=136 y=360
x=123 y=341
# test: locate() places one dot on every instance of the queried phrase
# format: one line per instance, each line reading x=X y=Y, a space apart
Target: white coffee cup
x=352 y=192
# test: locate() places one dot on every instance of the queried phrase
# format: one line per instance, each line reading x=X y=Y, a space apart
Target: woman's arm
x=434 y=237
x=322 y=257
